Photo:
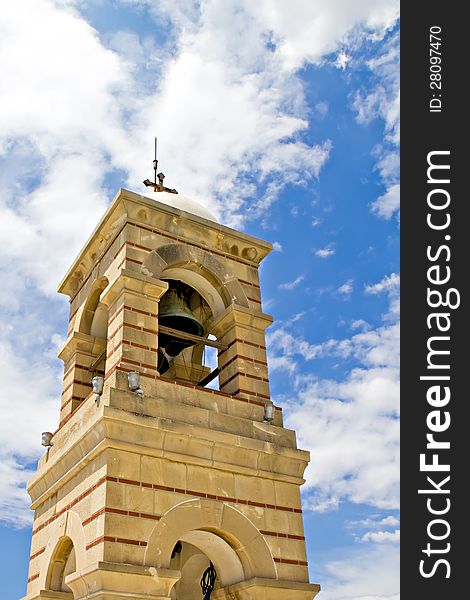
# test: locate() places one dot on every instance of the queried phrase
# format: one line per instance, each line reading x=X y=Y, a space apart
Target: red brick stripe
x=130 y=513
x=251 y=393
x=139 y=246
x=289 y=561
x=132 y=245
x=133 y=345
x=132 y=260
x=37 y=553
x=72 y=314
x=33 y=577
x=75 y=366
x=255 y=285
x=132 y=309
x=245 y=375
x=103 y=538
x=111 y=335
x=71 y=384
x=289 y=536
x=70 y=400
x=198 y=494
x=142 y=312
x=115 y=315
x=247 y=358
x=132 y=326
x=239 y=341
x=123 y=245
x=107 y=538
x=220 y=352
x=73 y=503
x=70 y=415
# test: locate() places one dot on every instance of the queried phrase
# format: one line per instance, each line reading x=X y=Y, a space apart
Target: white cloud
x=342 y=60
x=321 y=109
x=390 y=284
x=307 y=31
x=352 y=431
x=13 y=495
x=228 y=83
x=363 y=573
x=382 y=537
x=277 y=247
x=290 y=285
x=283 y=364
x=29 y=405
x=350 y=425
x=283 y=345
x=388 y=521
x=324 y=252
x=383 y=102
x=346 y=288
x=360 y=324
x=384 y=99
x=60 y=119
x=388 y=204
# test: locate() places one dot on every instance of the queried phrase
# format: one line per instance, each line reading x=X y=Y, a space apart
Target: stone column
x=104 y=580
x=79 y=352
x=132 y=300
x=267 y=589
x=51 y=595
x=243 y=366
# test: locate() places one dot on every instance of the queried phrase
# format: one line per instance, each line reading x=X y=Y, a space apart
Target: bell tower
x=153 y=483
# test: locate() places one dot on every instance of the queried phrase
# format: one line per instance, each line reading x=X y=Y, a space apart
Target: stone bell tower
x=153 y=480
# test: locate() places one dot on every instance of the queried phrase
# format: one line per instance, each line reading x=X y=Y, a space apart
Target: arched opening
x=192 y=562
x=89 y=322
x=183 y=309
x=94 y=322
x=62 y=563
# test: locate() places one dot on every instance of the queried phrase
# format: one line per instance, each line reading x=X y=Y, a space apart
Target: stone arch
x=201 y=270
x=93 y=319
x=226 y=536
x=65 y=534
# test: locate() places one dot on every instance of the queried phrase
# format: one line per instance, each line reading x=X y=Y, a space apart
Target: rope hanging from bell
x=208 y=581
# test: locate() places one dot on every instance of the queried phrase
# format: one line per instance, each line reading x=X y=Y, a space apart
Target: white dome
x=183 y=203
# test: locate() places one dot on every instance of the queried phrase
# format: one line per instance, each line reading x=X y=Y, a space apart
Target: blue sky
x=282 y=119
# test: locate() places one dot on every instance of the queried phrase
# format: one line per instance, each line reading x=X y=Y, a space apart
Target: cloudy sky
x=281 y=118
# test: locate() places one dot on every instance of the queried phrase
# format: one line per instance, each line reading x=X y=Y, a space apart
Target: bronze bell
x=174 y=312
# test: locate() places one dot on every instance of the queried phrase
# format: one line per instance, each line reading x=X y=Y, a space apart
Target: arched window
x=62 y=564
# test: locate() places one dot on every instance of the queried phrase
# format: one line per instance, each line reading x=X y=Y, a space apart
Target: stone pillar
x=51 y=595
x=132 y=301
x=267 y=589
x=79 y=352
x=104 y=580
x=243 y=366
